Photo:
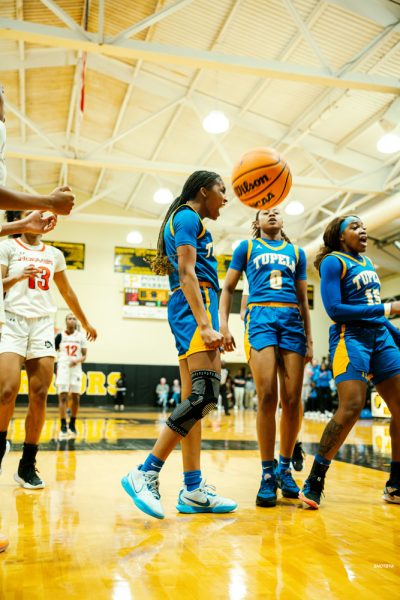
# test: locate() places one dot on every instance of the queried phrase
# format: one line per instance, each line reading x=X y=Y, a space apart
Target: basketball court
x=123 y=102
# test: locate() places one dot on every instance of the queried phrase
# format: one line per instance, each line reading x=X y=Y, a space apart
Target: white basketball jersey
x=31 y=297
x=71 y=347
x=3 y=137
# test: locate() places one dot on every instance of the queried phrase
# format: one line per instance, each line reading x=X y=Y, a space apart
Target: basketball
x=261 y=178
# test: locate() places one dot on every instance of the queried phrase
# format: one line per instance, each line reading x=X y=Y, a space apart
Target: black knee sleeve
x=203 y=399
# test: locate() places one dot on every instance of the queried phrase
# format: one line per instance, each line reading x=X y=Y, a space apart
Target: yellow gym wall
x=137 y=341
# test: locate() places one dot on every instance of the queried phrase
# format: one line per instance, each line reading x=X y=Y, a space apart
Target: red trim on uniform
x=31 y=249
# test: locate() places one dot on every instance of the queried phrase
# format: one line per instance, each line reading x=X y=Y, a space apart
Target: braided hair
x=160 y=264
x=331 y=240
x=256 y=229
x=11 y=216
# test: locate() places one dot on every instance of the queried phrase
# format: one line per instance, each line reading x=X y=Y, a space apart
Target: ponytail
x=161 y=264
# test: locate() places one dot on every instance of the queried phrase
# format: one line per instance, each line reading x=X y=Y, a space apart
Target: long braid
x=331 y=240
x=160 y=264
x=256 y=231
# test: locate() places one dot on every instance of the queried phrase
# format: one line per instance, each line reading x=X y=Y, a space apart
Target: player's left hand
x=36 y=223
x=91 y=333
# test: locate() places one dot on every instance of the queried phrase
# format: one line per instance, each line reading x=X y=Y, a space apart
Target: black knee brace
x=203 y=399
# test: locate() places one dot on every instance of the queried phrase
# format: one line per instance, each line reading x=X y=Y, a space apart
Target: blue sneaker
x=203 y=500
x=267 y=493
x=142 y=487
x=287 y=484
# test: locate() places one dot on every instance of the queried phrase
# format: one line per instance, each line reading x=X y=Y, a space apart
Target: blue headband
x=347 y=222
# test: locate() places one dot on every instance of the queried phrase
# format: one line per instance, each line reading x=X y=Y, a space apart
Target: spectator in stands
x=176 y=392
x=239 y=382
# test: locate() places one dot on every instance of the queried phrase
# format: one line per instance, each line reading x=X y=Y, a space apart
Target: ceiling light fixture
x=389 y=143
x=134 y=237
x=294 y=208
x=216 y=122
x=163 y=196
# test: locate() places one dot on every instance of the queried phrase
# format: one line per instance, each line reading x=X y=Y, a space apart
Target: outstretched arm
x=60 y=201
x=66 y=291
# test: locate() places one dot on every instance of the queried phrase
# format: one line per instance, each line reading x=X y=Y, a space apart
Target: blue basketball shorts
x=183 y=324
x=280 y=326
x=363 y=353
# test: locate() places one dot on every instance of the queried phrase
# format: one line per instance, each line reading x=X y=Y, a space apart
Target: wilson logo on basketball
x=246 y=187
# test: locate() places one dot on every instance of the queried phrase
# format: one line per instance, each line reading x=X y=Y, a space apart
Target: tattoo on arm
x=330 y=437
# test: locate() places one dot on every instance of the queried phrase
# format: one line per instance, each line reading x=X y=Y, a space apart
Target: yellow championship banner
x=74 y=253
x=133 y=260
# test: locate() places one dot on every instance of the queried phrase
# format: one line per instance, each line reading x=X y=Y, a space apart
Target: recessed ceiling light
x=389 y=143
x=163 y=196
x=294 y=208
x=216 y=122
x=134 y=237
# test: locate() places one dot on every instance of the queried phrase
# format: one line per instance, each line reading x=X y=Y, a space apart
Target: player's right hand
x=61 y=200
x=212 y=339
x=91 y=333
x=29 y=271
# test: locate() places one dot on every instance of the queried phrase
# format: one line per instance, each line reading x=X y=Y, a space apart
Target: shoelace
x=153 y=483
x=287 y=477
x=207 y=488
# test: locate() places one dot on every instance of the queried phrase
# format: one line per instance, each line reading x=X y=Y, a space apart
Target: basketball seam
x=284 y=187
x=259 y=192
x=251 y=170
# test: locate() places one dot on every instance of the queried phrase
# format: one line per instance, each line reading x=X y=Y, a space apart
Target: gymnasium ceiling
x=317 y=79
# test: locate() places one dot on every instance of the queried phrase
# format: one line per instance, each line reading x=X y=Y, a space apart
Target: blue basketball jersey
x=185 y=227
x=272 y=268
x=360 y=284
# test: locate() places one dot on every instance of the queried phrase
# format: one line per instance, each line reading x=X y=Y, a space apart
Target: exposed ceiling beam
x=129 y=164
x=151 y=20
x=194 y=58
x=383 y=13
x=307 y=35
x=65 y=18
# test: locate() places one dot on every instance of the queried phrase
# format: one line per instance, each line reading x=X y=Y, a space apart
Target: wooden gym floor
x=83 y=538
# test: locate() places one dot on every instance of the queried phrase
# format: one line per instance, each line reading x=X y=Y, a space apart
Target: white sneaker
x=142 y=487
x=8 y=446
x=63 y=435
x=203 y=500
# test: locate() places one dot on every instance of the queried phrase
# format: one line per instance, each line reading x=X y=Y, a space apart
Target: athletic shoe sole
x=291 y=495
x=138 y=502
x=190 y=510
x=391 y=499
x=265 y=503
x=307 y=502
x=27 y=485
x=3 y=543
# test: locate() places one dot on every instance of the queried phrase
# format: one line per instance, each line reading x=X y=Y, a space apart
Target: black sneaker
x=391 y=493
x=312 y=490
x=6 y=451
x=28 y=478
x=72 y=433
x=298 y=457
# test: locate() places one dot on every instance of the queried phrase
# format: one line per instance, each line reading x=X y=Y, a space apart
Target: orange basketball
x=261 y=179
